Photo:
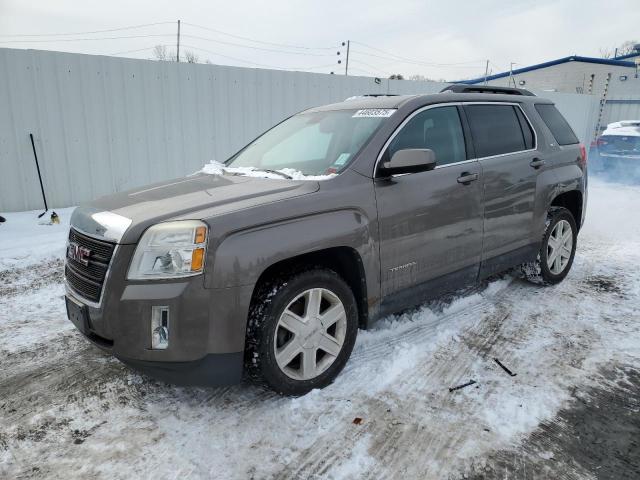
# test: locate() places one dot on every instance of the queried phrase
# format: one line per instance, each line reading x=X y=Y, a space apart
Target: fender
x=558 y=180
x=242 y=256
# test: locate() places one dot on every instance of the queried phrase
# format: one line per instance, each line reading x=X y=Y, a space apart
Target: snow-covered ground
x=69 y=411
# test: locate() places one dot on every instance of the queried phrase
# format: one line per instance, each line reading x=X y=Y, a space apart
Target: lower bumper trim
x=212 y=370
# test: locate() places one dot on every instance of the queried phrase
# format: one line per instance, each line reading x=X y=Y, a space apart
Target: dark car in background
x=616 y=153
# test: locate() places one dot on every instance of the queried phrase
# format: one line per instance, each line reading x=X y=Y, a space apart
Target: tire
x=540 y=271
x=292 y=300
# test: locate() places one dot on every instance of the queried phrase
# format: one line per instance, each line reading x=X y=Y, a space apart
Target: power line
x=433 y=65
x=255 y=63
x=264 y=49
x=84 y=33
x=366 y=72
x=88 y=39
x=139 y=50
x=371 y=66
x=257 y=41
x=393 y=56
x=314 y=67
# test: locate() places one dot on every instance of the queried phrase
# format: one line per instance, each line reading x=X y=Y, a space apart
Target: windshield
x=312 y=144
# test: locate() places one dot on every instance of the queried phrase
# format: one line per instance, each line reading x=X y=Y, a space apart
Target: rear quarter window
x=496 y=130
x=560 y=128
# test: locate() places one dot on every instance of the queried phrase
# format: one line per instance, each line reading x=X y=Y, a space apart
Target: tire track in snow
x=27 y=279
x=392 y=445
x=320 y=457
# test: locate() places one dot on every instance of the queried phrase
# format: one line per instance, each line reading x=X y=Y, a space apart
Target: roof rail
x=462 y=88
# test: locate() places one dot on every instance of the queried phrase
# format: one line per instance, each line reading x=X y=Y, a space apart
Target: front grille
x=88 y=280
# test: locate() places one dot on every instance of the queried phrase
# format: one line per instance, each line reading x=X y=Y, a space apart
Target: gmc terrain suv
x=369 y=206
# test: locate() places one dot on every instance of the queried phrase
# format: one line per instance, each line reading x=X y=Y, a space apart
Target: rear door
x=505 y=145
x=430 y=223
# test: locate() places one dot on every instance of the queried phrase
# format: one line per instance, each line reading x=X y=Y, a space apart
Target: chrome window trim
x=469 y=160
x=456 y=163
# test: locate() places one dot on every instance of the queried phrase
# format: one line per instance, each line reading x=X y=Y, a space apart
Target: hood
x=122 y=217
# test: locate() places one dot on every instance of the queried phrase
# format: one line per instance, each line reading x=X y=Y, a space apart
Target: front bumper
x=207 y=326
x=213 y=370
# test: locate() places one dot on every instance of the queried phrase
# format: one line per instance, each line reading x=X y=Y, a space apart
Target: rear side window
x=438 y=129
x=495 y=129
x=559 y=127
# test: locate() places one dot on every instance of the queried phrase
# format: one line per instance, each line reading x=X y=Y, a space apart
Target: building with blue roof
x=574 y=74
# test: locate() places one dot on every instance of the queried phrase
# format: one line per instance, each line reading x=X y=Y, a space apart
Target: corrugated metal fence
x=106 y=124
x=619 y=108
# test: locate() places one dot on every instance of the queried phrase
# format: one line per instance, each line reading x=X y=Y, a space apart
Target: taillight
x=583 y=156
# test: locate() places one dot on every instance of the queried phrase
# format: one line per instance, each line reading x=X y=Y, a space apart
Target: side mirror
x=411 y=160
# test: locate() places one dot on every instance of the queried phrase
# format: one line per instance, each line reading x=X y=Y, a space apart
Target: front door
x=430 y=223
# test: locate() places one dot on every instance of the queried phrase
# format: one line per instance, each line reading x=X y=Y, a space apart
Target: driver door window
x=438 y=129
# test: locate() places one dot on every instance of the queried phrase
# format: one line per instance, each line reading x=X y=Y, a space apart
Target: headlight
x=170 y=250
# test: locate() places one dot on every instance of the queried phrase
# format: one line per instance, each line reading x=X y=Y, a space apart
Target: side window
x=436 y=128
x=495 y=129
x=559 y=127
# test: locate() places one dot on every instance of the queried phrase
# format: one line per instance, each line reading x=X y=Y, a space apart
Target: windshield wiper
x=267 y=170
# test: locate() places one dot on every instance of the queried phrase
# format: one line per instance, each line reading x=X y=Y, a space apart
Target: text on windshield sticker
x=374 y=112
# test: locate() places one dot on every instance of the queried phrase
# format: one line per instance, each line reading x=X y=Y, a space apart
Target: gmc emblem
x=78 y=253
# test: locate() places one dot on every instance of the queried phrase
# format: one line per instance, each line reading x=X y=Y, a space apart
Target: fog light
x=159 y=328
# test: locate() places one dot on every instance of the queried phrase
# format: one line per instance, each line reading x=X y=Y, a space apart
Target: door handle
x=466 y=178
x=537 y=163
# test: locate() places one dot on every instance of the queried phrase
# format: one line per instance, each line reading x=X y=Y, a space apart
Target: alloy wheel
x=559 y=247
x=310 y=334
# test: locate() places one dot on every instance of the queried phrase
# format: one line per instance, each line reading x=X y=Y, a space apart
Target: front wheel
x=301 y=331
x=557 y=251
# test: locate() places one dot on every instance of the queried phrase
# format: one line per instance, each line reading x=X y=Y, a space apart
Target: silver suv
x=267 y=265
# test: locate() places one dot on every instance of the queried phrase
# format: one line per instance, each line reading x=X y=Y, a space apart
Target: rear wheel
x=557 y=251
x=301 y=331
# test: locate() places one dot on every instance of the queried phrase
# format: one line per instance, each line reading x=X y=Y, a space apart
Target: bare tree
x=190 y=57
x=606 y=52
x=420 y=78
x=160 y=53
x=627 y=47
x=624 y=49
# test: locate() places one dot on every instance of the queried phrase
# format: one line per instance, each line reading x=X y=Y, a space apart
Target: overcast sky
x=438 y=39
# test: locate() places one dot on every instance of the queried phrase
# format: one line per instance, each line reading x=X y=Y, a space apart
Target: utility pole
x=486 y=72
x=178 y=44
x=511 y=79
x=346 y=67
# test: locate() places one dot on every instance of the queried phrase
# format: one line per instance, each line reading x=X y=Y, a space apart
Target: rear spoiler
x=462 y=88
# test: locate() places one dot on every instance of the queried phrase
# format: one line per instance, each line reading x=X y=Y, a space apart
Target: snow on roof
x=627 y=128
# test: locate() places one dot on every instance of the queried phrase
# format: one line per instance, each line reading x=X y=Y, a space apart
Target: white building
x=574 y=74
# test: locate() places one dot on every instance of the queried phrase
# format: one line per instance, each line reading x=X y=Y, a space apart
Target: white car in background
x=617 y=150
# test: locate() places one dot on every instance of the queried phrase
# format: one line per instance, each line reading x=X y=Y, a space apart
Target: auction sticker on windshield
x=374 y=112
